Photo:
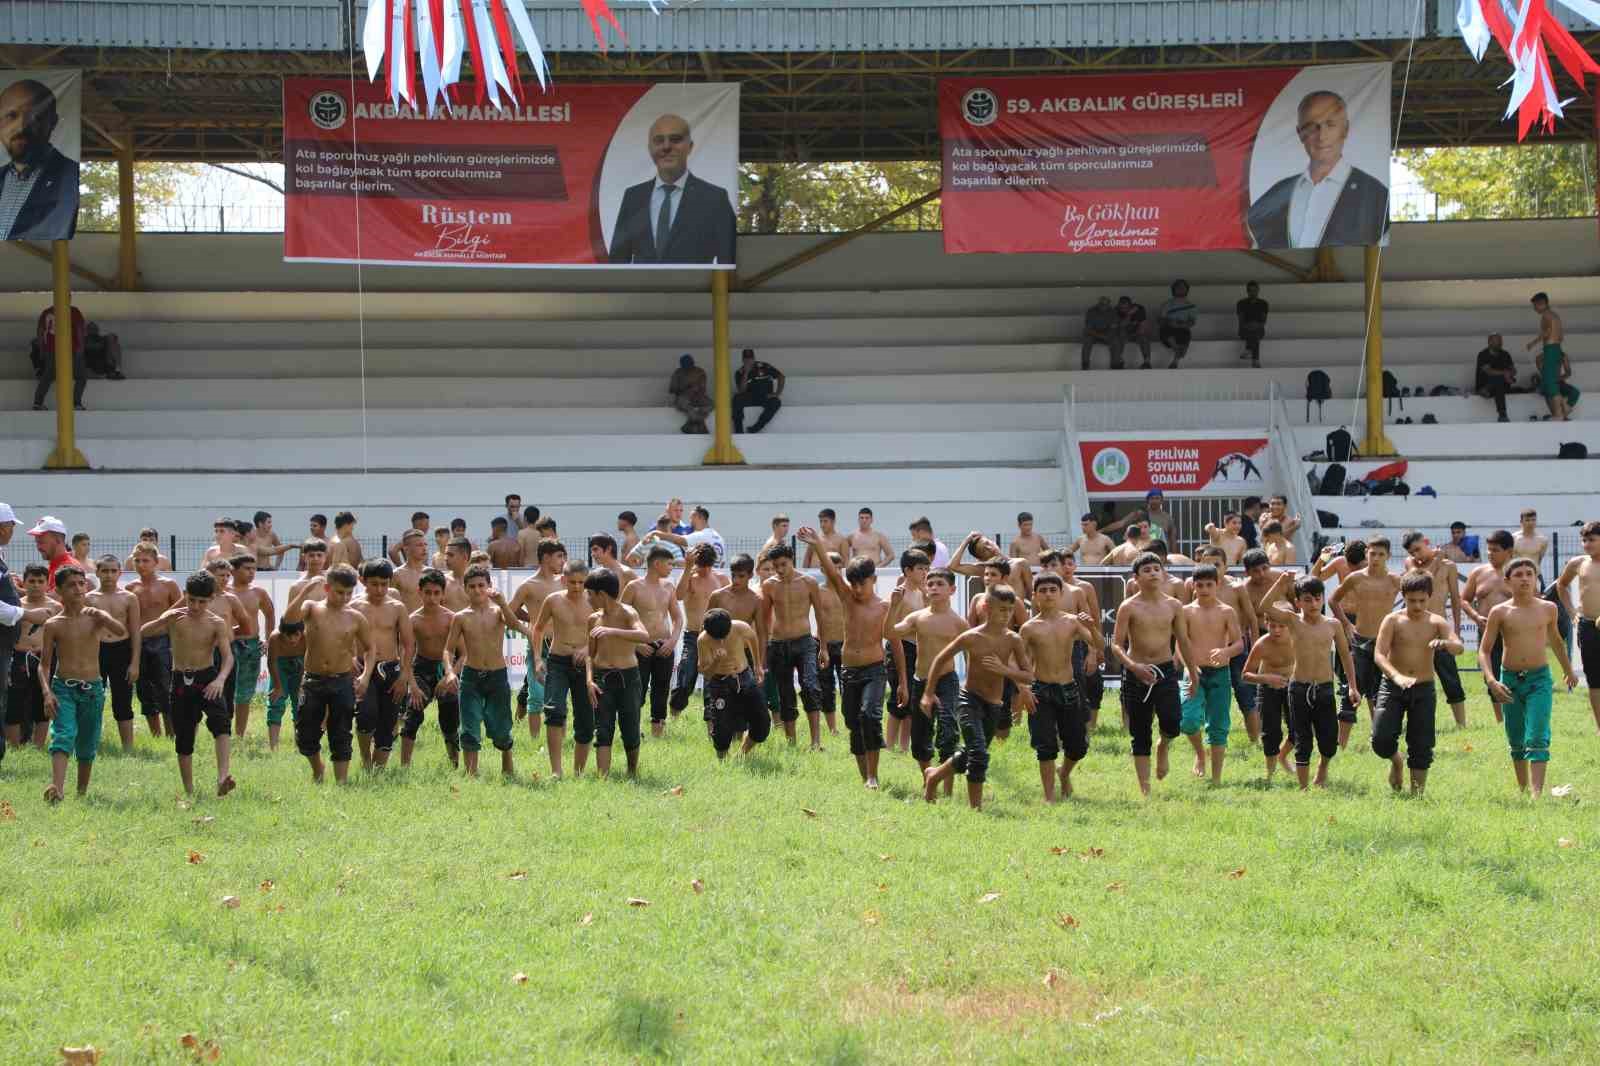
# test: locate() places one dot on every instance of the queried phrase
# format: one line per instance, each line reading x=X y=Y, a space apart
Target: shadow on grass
x=641 y=1025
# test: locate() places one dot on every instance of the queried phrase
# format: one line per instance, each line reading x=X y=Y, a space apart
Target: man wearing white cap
x=50 y=536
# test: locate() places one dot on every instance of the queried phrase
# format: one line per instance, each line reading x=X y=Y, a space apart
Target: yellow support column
x=722 y=452
x=127 y=221
x=1376 y=443
x=66 y=455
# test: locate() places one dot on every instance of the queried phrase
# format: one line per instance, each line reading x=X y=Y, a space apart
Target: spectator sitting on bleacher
x=103 y=353
x=1100 y=326
x=1252 y=313
x=1496 y=374
x=1134 y=323
x=689 y=394
x=1178 y=316
x=44 y=357
x=1460 y=549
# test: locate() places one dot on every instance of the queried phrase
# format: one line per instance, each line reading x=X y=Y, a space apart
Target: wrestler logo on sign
x=327 y=110
x=980 y=107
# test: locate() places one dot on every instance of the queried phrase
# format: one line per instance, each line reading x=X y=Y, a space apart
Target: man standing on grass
x=1149 y=623
x=1409 y=642
x=1060 y=721
x=202 y=658
x=1527 y=626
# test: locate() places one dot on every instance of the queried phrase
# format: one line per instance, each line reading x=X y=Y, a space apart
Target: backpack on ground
x=1391 y=390
x=1332 y=481
x=1341 y=446
x=1573 y=450
x=1319 y=388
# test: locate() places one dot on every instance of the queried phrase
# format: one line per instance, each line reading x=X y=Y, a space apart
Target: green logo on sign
x=1111 y=466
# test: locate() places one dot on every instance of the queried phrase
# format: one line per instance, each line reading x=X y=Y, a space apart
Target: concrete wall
x=232 y=262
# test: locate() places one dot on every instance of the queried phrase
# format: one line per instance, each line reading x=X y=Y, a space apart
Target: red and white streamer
x=441 y=32
x=1527 y=31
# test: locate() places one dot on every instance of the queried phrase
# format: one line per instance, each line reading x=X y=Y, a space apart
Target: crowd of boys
x=365 y=646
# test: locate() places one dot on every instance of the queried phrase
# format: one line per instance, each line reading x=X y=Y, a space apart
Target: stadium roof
x=821 y=79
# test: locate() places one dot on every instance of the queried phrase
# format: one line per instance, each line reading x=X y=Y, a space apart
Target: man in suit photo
x=675 y=217
x=38 y=185
x=1331 y=202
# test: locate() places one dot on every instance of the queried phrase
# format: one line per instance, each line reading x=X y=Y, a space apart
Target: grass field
x=387 y=921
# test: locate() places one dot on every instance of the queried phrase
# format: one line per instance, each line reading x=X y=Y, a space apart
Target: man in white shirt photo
x=1331 y=202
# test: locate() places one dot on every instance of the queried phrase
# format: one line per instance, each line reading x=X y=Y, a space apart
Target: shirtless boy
x=1551 y=357
x=1135 y=543
x=627 y=527
x=1059 y=723
x=1215 y=638
x=286 y=668
x=997 y=573
x=565 y=618
x=830 y=634
x=603 y=556
x=551 y=557
x=1227 y=536
x=441 y=543
x=1269 y=667
x=1093 y=547
x=505 y=553
x=149 y=536
x=1486 y=589
x=247 y=642
x=1424 y=558
x=314 y=560
x=1027 y=544
x=788 y=599
x=1529 y=542
x=829 y=540
x=413 y=551
x=1149 y=623
x=69 y=679
x=695 y=586
x=430 y=628
x=741 y=598
x=868 y=541
x=266 y=544
x=1371 y=593
x=1409 y=641
x=868 y=623
x=1312 y=717
x=119 y=659
x=156 y=595
x=1079 y=599
x=612 y=665
x=1585 y=570
x=780 y=533
x=932 y=629
x=727 y=650
x=202 y=657
x=912 y=588
x=1525 y=626
x=995 y=655
x=655 y=599
x=227 y=541
x=529 y=537
x=457 y=557
x=24 y=719
x=1276 y=543
x=421 y=522
x=336 y=633
x=345 y=548
x=1236 y=594
x=475 y=667
x=394 y=647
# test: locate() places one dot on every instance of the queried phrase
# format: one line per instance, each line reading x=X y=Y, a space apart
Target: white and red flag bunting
x=1528 y=31
x=440 y=33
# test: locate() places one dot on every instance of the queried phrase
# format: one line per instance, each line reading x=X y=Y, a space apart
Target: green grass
x=1364 y=927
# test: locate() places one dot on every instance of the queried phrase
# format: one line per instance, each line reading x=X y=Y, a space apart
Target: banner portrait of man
x=40 y=142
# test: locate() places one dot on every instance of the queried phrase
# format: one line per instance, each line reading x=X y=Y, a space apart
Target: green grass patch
x=1240 y=924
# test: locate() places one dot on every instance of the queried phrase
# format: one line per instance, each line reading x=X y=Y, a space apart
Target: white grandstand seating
x=933 y=393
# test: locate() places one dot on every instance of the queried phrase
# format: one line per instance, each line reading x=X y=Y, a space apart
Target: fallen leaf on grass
x=675 y=790
x=1236 y=874
x=988 y=897
x=1066 y=921
x=87 y=1055
x=1115 y=886
x=517 y=875
x=230 y=902
x=1093 y=853
x=587 y=919
x=883 y=886
x=9 y=814
x=871 y=917
x=635 y=901
x=698 y=885
x=189 y=1042
x=1560 y=792
x=267 y=885
x=808 y=812
x=195 y=858
x=1058 y=851
x=885 y=857
x=519 y=978
x=1051 y=978
x=1566 y=842
x=1466 y=747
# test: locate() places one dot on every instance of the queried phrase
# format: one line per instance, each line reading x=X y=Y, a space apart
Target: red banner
x=1134 y=467
x=570 y=178
x=1272 y=158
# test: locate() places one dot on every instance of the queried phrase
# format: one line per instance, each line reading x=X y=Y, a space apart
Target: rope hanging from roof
x=1527 y=32
x=440 y=33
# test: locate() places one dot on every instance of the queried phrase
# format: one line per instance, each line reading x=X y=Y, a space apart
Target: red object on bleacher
x=1386 y=471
